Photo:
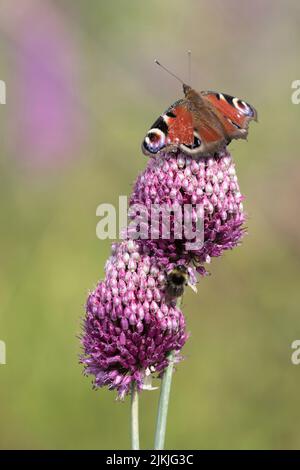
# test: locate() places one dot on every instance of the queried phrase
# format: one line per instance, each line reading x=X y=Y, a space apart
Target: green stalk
x=135 y=440
x=161 y=422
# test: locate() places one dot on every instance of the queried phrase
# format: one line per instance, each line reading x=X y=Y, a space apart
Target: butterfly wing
x=234 y=113
x=173 y=127
x=217 y=119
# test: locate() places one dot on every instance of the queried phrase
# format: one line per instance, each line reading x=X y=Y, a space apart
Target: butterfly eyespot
x=154 y=140
x=243 y=107
x=248 y=109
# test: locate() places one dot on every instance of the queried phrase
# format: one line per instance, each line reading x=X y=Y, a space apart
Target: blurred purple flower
x=47 y=119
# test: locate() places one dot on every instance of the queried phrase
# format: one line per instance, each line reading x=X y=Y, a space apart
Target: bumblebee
x=177 y=279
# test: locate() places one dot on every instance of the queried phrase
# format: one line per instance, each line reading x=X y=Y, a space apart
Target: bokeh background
x=82 y=90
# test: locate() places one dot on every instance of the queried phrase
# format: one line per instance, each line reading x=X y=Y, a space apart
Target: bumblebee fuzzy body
x=176 y=281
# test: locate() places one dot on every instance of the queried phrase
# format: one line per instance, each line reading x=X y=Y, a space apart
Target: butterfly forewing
x=173 y=127
x=180 y=125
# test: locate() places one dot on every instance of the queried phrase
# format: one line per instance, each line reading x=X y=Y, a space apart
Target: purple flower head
x=208 y=186
x=129 y=328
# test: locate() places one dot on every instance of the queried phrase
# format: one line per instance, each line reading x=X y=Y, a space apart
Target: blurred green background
x=82 y=90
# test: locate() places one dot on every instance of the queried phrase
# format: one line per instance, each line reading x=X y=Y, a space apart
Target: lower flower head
x=130 y=328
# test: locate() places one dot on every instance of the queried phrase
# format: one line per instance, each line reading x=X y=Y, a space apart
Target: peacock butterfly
x=200 y=124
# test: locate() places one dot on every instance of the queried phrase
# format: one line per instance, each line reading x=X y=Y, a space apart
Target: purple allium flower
x=129 y=328
x=208 y=184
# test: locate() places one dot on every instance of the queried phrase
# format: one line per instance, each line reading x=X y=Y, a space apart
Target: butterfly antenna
x=168 y=71
x=189 y=54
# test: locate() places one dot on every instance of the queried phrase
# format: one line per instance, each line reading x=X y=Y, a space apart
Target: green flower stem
x=161 y=422
x=135 y=440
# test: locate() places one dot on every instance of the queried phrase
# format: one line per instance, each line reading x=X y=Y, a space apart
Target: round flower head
x=129 y=327
x=203 y=190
